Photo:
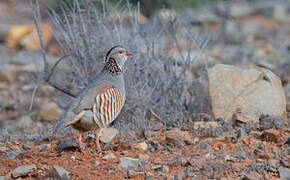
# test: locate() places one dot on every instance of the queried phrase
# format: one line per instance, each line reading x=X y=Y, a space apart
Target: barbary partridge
x=103 y=99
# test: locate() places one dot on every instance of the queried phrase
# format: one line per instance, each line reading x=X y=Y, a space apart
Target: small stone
x=284 y=173
x=143 y=157
x=97 y=163
x=109 y=156
x=131 y=173
x=164 y=169
x=12 y=154
x=143 y=146
x=229 y=158
x=68 y=144
x=108 y=134
x=288 y=107
x=176 y=136
x=256 y=134
x=184 y=161
x=3 y=149
x=59 y=173
x=205 y=125
x=26 y=146
x=128 y=162
x=156 y=167
x=50 y=111
x=153 y=146
x=23 y=170
x=43 y=147
x=271 y=122
x=149 y=133
x=73 y=158
x=241 y=153
x=241 y=134
x=195 y=140
x=272 y=135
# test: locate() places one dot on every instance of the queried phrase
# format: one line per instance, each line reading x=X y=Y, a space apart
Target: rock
x=280 y=13
x=252 y=175
x=184 y=161
x=26 y=146
x=238 y=10
x=131 y=173
x=272 y=135
x=68 y=144
x=284 y=173
x=43 y=147
x=143 y=157
x=97 y=163
x=229 y=158
x=73 y=158
x=127 y=18
x=12 y=154
x=166 y=15
x=241 y=154
x=176 y=136
x=16 y=33
x=31 y=40
x=243 y=118
x=143 y=146
x=6 y=177
x=205 y=125
x=253 y=90
x=128 y=163
x=156 y=167
x=149 y=133
x=108 y=134
x=241 y=133
x=271 y=122
x=24 y=122
x=153 y=146
x=23 y=170
x=8 y=73
x=3 y=149
x=59 y=173
x=50 y=111
x=109 y=156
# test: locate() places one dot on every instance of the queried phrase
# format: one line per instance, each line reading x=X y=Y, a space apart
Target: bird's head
x=115 y=59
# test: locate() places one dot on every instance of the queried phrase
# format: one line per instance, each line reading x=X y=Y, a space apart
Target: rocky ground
x=238 y=148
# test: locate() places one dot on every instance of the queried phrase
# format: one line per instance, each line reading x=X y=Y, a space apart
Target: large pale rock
x=16 y=33
x=31 y=41
x=26 y=36
x=50 y=111
x=249 y=90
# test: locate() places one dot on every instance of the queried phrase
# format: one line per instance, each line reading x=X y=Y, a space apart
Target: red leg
x=98 y=144
x=80 y=141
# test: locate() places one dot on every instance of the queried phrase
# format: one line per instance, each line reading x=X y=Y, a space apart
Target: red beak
x=128 y=53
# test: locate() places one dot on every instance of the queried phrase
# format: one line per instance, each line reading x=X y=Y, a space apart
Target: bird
x=102 y=101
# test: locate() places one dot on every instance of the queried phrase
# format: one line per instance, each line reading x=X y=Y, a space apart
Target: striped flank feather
x=107 y=106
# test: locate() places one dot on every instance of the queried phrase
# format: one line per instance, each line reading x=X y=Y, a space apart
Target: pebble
x=23 y=170
x=59 y=173
x=128 y=162
x=109 y=156
x=143 y=146
x=284 y=173
x=68 y=144
x=26 y=146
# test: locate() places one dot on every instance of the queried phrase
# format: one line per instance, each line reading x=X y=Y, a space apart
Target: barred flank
x=108 y=106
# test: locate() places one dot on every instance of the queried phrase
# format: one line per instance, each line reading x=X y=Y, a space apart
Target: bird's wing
x=107 y=106
x=105 y=101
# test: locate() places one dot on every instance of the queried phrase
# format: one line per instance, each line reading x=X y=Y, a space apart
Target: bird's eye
x=121 y=52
